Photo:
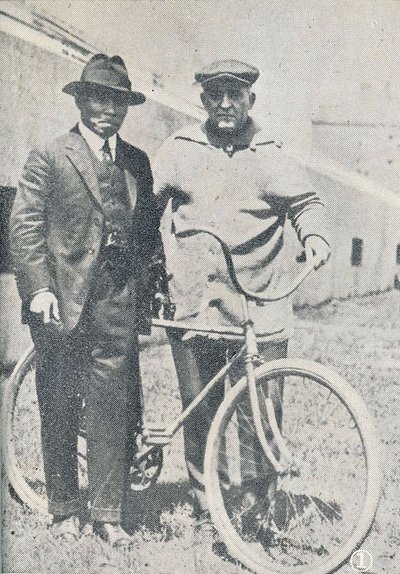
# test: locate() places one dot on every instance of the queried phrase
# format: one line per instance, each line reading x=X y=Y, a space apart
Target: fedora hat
x=104 y=73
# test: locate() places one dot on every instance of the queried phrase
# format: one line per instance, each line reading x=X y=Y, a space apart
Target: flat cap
x=230 y=69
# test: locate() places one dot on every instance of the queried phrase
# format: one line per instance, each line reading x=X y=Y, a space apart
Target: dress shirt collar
x=96 y=143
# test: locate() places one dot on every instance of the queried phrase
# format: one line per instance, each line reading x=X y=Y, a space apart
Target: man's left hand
x=315 y=247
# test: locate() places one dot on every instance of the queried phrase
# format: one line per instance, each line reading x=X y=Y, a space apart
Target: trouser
x=197 y=361
x=98 y=364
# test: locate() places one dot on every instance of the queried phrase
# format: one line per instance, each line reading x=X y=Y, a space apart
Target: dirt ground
x=360 y=338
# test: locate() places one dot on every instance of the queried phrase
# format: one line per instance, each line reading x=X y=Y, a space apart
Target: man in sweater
x=230 y=176
x=83 y=230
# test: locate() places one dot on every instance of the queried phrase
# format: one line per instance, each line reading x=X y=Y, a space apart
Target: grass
x=360 y=338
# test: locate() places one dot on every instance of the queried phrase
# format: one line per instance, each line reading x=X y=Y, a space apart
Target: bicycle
x=303 y=522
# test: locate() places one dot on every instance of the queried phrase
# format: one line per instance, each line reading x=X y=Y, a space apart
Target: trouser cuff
x=105 y=514
x=65 y=508
x=200 y=503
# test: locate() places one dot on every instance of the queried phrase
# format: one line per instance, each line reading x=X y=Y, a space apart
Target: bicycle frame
x=154 y=436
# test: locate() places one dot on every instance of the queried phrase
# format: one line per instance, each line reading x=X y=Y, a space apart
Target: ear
x=79 y=99
x=252 y=99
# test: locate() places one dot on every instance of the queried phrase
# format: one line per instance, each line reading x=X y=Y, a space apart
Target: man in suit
x=83 y=231
x=229 y=175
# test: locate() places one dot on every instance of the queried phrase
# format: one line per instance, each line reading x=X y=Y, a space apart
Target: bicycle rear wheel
x=310 y=521
x=21 y=437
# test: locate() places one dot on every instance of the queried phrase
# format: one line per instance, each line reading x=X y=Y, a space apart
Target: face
x=103 y=112
x=227 y=103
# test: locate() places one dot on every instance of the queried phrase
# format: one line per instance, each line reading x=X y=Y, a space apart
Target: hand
x=315 y=247
x=46 y=305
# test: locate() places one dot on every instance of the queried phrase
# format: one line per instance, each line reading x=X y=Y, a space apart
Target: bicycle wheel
x=22 y=451
x=308 y=521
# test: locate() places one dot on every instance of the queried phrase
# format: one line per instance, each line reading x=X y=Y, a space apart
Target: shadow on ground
x=145 y=509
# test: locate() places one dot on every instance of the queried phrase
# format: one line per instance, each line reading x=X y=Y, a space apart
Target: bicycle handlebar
x=273 y=296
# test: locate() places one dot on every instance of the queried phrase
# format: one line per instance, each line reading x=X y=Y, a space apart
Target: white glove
x=316 y=247
x=46 y=305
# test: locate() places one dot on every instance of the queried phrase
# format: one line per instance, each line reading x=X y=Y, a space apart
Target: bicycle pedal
x=156 y=436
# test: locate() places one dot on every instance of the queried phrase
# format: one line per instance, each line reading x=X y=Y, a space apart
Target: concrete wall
x=359 y=209
x=34 y=109
x=32 y=106
x=372 y=150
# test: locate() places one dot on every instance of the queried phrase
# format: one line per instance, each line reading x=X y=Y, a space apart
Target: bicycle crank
x=146 y=466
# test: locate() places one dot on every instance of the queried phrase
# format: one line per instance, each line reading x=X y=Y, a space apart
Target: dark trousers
x=98 y=364
x=197 y=361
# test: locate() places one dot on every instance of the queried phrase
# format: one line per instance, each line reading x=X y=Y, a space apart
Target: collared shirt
x=247 y=198
x=96 y=143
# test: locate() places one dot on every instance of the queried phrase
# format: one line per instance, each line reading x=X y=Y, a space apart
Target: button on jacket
x=246 y=197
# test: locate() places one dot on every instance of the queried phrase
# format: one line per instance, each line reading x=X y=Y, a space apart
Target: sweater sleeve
x=306 y=210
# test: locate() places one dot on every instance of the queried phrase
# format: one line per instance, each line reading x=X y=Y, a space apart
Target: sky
x=318 y=58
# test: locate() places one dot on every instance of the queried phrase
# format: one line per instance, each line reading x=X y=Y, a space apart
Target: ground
x=360 y=338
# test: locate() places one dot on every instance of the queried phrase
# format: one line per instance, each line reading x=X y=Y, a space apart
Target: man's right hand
x=46 y=305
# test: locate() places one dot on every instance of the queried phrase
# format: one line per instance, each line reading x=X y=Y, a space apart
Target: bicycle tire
x=263 y=550
x=26 y=493
x=24 y=469
x=22 y=453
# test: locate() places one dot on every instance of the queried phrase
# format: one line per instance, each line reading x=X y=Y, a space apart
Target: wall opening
x=356 y=251
x=7 y=195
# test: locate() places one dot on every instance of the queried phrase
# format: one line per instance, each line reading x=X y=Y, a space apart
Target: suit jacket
x=56 y=224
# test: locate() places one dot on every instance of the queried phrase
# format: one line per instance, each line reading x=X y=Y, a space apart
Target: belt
x=116 y=258
x=115 y=249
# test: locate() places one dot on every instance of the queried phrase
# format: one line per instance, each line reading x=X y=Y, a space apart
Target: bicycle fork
x=282 y=466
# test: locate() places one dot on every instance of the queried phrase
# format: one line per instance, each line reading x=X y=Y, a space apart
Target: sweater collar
x=256 y=136
x=238 y=140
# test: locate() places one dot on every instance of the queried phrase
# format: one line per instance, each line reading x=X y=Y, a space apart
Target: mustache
x=111 y=121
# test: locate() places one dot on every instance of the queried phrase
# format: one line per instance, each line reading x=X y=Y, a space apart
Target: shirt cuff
x=42 y=290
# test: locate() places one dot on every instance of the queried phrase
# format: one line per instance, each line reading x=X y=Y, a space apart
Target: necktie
x=106 y=151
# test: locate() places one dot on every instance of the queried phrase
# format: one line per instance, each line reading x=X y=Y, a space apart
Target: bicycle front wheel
x=310 y=520
x=21 y=437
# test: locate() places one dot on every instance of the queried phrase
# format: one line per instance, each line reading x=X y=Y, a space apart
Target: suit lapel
x=131 y=181
x=80 y=156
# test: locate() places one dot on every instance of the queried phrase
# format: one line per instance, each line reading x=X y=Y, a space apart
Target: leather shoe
x=114 y=534
x=66 y=529
x=207 y=535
